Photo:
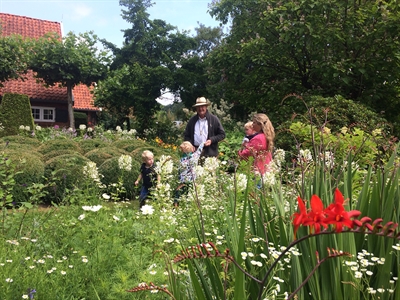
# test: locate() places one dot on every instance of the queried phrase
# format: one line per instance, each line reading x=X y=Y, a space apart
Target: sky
x=104 y=16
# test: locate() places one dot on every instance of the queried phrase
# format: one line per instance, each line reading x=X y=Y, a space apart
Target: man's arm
x=219 y=131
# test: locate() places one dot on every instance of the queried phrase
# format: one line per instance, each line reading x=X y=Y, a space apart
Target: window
x=44 y=114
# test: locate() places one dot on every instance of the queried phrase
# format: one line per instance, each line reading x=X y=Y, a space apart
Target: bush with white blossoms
x=305 y=156
x=125 y=162
x=90 y=170
x=165 y=167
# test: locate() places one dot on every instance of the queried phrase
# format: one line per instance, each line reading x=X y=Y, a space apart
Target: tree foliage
x=348 y=48
x=145 y=66
x=68 y=62
x=14 y=57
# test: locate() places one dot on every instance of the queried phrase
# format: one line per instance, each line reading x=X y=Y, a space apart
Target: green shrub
x=18 y=141
x=67 y=171
x=332 y=112
x=80 y=118
x=112 y=173
x=91 y=144
x=15 y=110
x=100 y=155
x=56 y=153
x=129 y=144
x=137 y=153
x=29 y=168
x=53 y=145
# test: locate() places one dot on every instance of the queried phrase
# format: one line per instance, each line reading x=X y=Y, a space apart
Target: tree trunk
x=70 y=107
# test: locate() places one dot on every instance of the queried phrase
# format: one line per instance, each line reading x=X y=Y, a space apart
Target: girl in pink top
x=261 y=145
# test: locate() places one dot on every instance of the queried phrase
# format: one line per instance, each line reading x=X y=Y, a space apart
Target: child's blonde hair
x=146 y=154
x=186 y=147
x=248 y=125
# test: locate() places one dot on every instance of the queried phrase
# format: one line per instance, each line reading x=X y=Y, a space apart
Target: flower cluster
x=317 y=216
x=125 y=162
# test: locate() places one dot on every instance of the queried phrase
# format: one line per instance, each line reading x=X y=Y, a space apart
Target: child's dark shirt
x=149 y=175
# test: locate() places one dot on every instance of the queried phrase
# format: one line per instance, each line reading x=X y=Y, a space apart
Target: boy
x=249 y=131
x=187 y=167
x=148 y=176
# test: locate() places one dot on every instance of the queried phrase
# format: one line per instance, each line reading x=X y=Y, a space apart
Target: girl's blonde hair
x=267 y=129
x=186 y=147
x=248 y=125
x=146 y=154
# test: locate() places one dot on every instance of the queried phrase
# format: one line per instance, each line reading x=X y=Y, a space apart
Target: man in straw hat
x=204 y=128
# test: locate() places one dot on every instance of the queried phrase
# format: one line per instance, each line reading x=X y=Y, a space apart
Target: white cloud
x=82 y=11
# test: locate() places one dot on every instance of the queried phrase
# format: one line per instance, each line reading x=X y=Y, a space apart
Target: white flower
x=21 y=127
x=90 y=129
x=82 y=127
x=85 y=260
x=38 y=128
x=125 y=162
x=25 y=297
x=115 y=218
x=396 y=247
x=63 y=272
x=92 y=208
x=81 y=217
x=147 y=209
x=105 y=196
x=9 y=280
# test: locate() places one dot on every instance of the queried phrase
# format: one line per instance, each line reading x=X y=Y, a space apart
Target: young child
x=148 y=176
x=187 y=165
x=249 y=131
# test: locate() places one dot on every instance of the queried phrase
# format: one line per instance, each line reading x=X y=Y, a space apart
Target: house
x=49 y=105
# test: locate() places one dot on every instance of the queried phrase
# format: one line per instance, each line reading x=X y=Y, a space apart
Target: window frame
x=41 y=113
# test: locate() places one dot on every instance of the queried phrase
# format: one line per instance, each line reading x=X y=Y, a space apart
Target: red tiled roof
x=28 y=27
x=34 y=89
x=83 y=99
x=35 y=28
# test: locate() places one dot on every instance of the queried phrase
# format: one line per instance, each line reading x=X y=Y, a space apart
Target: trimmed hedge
x=111 y=172
x=91 y=144
x=31 y=166
x=100 y=155
x=53 y=145
x=15 y=110
x=67 y=171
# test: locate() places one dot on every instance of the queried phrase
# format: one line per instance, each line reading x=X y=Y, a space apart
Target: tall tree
x=14 y=57
x=69 y=61
x=191 y=78
x=150 y=57
x=279 y=47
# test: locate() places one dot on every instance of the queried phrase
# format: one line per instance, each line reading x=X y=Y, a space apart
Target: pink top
x=257 y=147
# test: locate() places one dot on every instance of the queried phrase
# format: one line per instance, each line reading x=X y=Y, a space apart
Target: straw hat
x=201 y=102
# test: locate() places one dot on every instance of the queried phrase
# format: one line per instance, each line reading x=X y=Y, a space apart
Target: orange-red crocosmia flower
x=316 y=217
x=300 y=217
x=338 y=216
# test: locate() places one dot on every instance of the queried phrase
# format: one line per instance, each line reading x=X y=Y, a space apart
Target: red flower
x=299 y=218
x=316 y=217
x=338 y=216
